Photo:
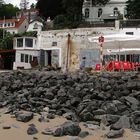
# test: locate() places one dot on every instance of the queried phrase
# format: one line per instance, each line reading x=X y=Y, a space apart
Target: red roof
x=17 y=22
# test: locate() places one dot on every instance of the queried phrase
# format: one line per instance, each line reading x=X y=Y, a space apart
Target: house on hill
x=14 y=25
x=105 y=13
x=36 y=25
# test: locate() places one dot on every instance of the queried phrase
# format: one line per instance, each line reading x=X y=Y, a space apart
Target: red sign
x=101 y=39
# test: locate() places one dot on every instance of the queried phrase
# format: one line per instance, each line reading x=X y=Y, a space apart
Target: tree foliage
x=6 y=41
x=72 y=9
x=99 y=2
x=133 y=9
x=8 y=11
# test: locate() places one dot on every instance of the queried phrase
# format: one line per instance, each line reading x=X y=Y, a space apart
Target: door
x=91 y=57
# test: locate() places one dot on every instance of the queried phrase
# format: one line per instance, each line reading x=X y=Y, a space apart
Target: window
x=54 y=43
x=20 y=42
x=8 y=24
x=129 y=33
x=122 y=57
x=35 y=26
x=30 y=59
x=22 y=58
x=115 y=11
x=86 y=13
x=125 y=12
x=100 y=11
x=12 y=24
x=1 y=25
x=26 y=58
x=29 y=42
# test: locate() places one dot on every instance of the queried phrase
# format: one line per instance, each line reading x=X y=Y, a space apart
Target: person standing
x=83 y=63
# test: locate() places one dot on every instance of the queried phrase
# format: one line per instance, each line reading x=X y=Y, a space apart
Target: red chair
x=108 y=66
x=117 y=65
x=126 y=66
x=97 y=67
x=132 y=66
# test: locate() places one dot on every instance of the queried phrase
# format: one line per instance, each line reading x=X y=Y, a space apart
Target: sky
x=16 y=2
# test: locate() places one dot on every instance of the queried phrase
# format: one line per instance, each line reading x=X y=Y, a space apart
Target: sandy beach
x=18 y=130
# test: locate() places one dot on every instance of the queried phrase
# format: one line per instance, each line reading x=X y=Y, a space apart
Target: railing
x=96 y=24
x=131 y=23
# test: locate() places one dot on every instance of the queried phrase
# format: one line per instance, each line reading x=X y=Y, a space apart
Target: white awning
x=115 y=41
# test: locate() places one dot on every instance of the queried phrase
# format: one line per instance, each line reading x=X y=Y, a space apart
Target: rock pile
x=109 y=98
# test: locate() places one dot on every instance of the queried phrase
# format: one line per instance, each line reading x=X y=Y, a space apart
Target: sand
x=18 y=130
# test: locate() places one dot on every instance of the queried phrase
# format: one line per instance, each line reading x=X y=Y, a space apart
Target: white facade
x=26 y=50
x=14 y=26
x=35 y=26
x=104 y=12
x=51 y=47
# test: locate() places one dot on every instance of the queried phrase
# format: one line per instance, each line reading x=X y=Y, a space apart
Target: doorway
x=50 y=57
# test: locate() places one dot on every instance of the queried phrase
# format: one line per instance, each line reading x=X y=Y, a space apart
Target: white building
x=26 y=52
x=14 y=25
x=106 y=12
x=66 y=48
x=35 y=25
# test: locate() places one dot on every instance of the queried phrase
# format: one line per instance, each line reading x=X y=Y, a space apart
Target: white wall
x=136 y=31
x=31 y=26
x=23 y=27
x=18 y=62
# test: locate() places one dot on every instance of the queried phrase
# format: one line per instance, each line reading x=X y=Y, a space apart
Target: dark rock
x=86 y=116
x=75 y=101
x=115 y=133
x=123 y=122
x=49 y=95
x=59 y=132
x=24 y=116
x=109 y=108
x=99 y=112
x=6 y=127
x=68 y=128
x=49 y=132
x=112 y=118
x=83 y=134
x=50 y=116
x=32 y=130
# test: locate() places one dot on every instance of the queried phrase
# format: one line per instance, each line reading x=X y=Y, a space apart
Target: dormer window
x=35 y=26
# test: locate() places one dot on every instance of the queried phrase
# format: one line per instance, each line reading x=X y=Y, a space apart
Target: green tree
x=72 y=9
x=8 y=10
x=133 y=10
x=6 y=41
x=49 y=8
x=100 y=2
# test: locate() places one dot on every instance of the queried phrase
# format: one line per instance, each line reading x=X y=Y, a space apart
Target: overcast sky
x=16 y=2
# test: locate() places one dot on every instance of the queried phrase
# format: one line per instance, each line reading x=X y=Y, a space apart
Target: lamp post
x=101 y=41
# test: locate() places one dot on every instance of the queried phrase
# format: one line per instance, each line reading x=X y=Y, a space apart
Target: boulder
x=24 y=116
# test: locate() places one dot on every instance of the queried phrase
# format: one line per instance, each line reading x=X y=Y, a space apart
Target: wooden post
x=68 y=54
